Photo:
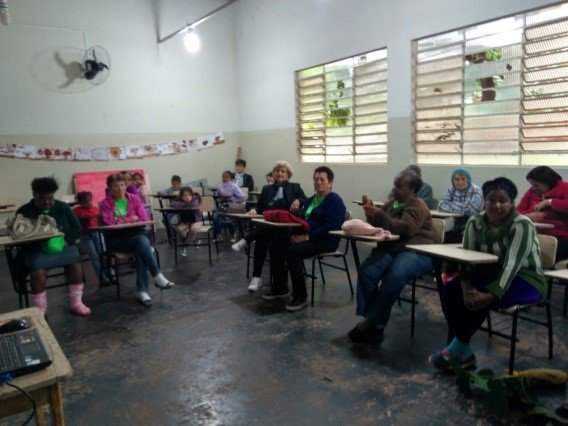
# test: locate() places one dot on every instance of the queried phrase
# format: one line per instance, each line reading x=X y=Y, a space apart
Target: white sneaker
x=255 y=283
x=239 y=246
x=184 y=252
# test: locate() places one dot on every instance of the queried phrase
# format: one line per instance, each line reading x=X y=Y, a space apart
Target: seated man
x=55 y=252
x=390 y=263
x=324 y=212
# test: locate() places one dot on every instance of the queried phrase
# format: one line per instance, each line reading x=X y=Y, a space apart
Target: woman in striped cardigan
x=516 y=278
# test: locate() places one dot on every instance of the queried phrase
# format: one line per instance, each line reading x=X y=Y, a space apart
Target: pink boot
x=40 y=301
x=75 y=301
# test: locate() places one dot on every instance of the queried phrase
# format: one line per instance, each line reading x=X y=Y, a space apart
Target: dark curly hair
x=44 y=185
x=544 y=174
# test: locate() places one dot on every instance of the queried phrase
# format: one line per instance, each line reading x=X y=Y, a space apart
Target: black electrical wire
x=27 y=395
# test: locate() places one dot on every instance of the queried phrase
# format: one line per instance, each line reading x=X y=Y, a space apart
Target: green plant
x=337 y=116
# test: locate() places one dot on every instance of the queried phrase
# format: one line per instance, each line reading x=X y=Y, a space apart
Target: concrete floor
x=208 y=352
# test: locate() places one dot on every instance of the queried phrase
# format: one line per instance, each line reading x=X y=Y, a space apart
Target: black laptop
x=22 y=352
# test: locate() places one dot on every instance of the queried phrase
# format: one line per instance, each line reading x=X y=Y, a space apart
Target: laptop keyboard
x=10 y=353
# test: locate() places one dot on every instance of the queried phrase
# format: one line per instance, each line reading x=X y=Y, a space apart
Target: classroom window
x=341 y=110
x=494 y=93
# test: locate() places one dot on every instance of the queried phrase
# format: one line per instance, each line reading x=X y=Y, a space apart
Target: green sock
x=455 y=347
x=466 y=350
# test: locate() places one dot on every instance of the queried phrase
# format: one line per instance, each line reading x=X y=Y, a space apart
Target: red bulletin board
x=96 y=182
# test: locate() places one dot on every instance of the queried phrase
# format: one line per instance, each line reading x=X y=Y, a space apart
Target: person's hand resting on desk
x=252 y=212
x=299 y=238
x=474 y=299
x=295 y=206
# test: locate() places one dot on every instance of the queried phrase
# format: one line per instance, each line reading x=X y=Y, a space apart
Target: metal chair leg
x=513 y=342
x=321 y=271
x=413 y=307
x=550 y=335
x=489 y=329
x=348 y=276
x=313 y=277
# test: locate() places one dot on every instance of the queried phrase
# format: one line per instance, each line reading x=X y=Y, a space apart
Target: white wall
x=155 y=92
x=275 y=38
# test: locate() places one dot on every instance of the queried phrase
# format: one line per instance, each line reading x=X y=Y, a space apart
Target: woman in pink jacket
x=122 y=207
x=546 y=201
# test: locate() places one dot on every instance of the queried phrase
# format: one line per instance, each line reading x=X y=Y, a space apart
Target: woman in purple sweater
x=121 y=207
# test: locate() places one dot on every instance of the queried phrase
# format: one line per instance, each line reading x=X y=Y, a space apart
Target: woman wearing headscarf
x=516 y=278
x=546 y=201
x=464 y=197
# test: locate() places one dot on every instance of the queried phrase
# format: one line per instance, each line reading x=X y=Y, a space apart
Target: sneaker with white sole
x=255 y=283
x=239 y=245
x=271 y=295
x=233 y=238
x=184 y=252
x=297 y=303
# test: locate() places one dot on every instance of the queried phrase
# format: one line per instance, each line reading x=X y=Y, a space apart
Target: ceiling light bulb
x=191 y=42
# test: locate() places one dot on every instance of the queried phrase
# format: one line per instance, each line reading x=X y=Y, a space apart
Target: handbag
x=22 y=227
x=236 y=208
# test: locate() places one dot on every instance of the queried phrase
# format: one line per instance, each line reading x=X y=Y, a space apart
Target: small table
x=44 y=385
x=10 y=247
x=366 y=238
x=561 y=275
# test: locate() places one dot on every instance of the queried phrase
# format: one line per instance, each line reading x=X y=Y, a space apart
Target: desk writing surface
x=122 y=226
x=444 y=215
x=257 y=193
x=8 y=241
x=452 y=252
x=164 y=196
x=376 y=203
x=561 y=274
x=541 y=225
x=369 y=238
x=59 y=369
x=277 y=224
x=242 y=215
x=177 y=209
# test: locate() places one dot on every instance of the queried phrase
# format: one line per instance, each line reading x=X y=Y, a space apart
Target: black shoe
x=371 y=335
x=297 y=303
x=271 y=295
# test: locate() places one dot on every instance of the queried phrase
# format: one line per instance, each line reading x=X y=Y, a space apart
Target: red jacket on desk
x=135 y=208
x=284 y=216
x=558 y=212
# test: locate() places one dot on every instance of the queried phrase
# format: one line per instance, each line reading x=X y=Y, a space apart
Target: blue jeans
x=140 y=246
x=36 y=260
x=395 y=270
x=91 y=244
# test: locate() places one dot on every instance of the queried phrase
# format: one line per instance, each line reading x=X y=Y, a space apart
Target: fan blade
x=89 y=75
x=103 y=65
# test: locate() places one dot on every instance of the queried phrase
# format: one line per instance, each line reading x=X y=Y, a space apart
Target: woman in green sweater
x=516 y=278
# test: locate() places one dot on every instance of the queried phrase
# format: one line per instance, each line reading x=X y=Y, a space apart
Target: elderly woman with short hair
x=282 y=194
x=516 y=278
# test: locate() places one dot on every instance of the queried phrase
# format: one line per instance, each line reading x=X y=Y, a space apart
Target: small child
x=188 y=221
x=143 y=191
x=89 y=242
x=174 y=189
x=229 y=193
x=269 y=178
x=229 y=190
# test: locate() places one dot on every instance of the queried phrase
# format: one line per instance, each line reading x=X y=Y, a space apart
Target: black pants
x=263 y=236
x=286 y=255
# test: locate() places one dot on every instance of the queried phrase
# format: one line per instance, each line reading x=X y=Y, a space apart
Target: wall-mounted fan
x=97 y=65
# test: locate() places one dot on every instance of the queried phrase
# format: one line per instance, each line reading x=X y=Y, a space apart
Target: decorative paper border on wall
x=32 y=152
